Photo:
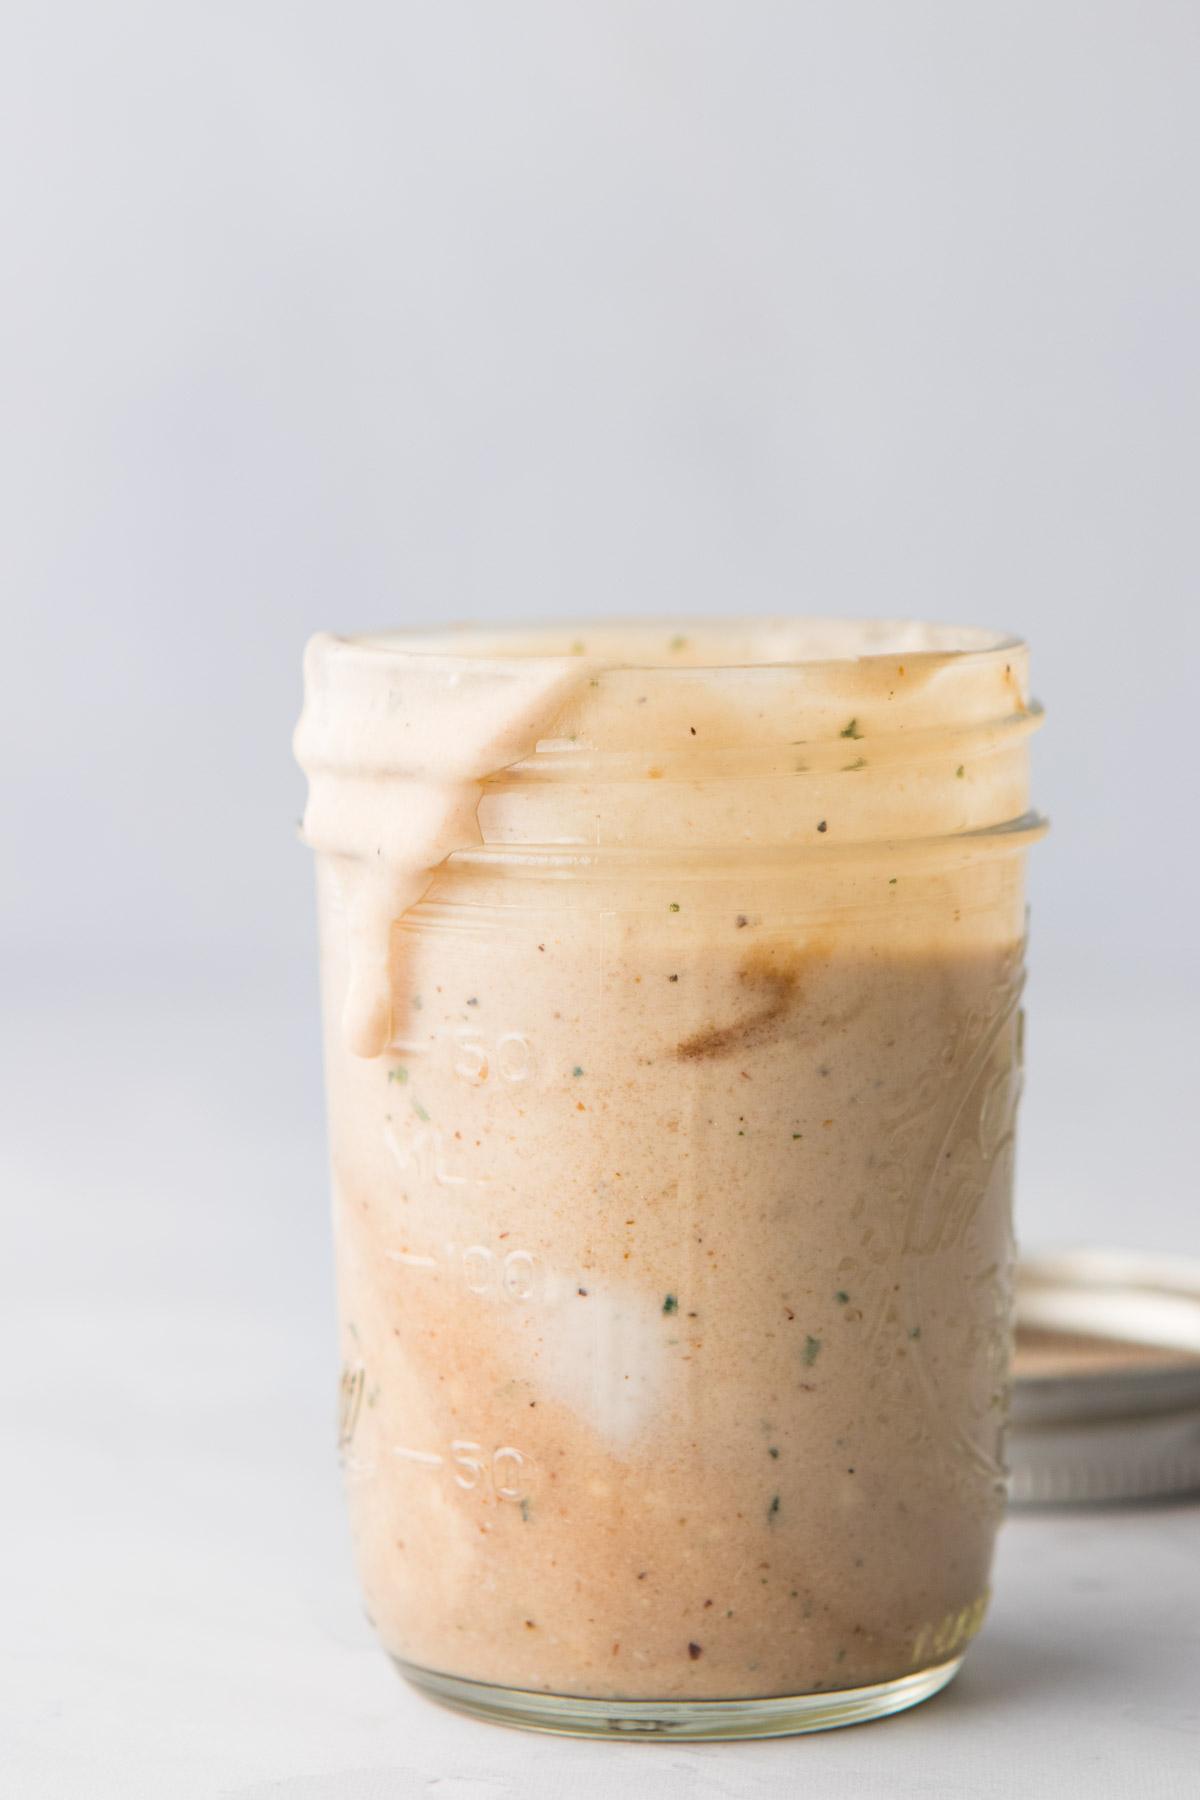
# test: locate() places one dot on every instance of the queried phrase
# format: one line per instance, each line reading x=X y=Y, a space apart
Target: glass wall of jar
x=672 y=982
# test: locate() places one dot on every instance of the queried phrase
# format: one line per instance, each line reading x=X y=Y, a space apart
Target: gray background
x=355 y=315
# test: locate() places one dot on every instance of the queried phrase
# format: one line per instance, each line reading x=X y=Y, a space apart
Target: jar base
x=778 y=1715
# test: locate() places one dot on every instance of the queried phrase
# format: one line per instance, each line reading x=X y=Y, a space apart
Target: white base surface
x=179 y=1617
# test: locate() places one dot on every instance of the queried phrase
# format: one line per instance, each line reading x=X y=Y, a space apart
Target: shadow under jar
x=671 y=979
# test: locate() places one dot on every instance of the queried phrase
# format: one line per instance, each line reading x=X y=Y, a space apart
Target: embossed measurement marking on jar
x=477 y=1057
x=503 y=1471
x=946 y=1637
x=422 y=1152
x=492 y=1274
x=428 y=1459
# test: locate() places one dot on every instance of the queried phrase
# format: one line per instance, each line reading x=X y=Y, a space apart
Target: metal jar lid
x=1106 y=1389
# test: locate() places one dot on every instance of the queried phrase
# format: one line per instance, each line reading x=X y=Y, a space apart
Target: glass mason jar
x=671 y=977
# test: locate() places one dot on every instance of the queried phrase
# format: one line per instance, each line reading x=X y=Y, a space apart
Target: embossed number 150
x=472 y=1465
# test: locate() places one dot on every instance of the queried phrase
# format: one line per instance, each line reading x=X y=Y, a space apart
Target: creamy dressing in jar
x=672 y=980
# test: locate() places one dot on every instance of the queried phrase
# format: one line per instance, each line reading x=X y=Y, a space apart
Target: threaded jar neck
x=821 y=734
x=613 y=748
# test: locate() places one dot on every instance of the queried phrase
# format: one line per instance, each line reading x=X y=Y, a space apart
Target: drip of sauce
x=396 y=769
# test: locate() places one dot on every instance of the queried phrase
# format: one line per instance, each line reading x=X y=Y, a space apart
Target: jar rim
x=685 y=645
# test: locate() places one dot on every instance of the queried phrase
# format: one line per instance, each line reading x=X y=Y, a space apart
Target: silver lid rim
x=1109 y=1434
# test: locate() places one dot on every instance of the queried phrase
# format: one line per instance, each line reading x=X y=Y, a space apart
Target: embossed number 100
x=511 y=1275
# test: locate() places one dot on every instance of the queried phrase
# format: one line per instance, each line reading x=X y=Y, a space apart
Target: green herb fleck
x=860 y=762
x=525 y=1508
x=851 y=730
x=960 y=771
x=420 y=1112
x=915 y=1332
x=812 y=1349
x=773 y=1451
x=674 y=906
x=773 y=1509
x=398 y=1074
x=670 y=1304
x=577 y=1070
x=842 y=1297
x=796 y=1134
x=679 y=643
x=891 y=880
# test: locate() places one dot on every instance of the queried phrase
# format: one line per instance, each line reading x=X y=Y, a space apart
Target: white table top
x=179 y=1615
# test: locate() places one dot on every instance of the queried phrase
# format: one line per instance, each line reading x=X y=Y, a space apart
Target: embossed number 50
x=511 y=1056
